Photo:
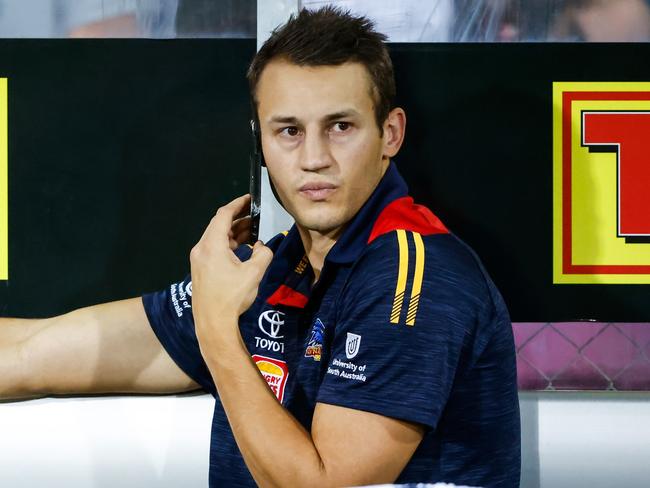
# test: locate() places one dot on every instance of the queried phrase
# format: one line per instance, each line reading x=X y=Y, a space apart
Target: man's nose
x=315 y=152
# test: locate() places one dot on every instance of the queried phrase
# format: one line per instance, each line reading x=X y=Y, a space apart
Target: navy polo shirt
x=403 y=322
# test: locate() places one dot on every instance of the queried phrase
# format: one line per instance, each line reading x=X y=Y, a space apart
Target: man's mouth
x=317 y=191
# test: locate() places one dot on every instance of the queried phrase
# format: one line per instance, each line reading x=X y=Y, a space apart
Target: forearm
x=105 y=348
x=244 y=394
x=57 y=355
x=15 y=382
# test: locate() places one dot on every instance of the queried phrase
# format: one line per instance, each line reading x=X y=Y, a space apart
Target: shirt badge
x=315 y=345
x=352 y=343
x=275 y=372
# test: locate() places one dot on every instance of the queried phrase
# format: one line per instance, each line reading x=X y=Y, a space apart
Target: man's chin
x=319 y=224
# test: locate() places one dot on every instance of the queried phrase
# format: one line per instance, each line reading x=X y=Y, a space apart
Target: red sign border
x=567 y=237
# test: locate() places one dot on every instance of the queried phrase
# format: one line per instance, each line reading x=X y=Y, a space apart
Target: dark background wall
x=479 y=152
x=121 y=150
x=119 y=153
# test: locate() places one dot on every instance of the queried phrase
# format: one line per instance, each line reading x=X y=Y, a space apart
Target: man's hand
x=346 y=446
x=223 y=286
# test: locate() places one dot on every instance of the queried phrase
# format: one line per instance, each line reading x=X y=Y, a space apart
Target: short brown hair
x=331 y=36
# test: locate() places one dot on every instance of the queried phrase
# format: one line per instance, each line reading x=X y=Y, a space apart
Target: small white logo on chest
x=352 y=344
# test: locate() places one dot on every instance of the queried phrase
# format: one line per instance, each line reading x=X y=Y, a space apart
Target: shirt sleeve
x=406 y=316
x=170 y=315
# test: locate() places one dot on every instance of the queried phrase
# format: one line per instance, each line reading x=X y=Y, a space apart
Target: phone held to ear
x=255 y=189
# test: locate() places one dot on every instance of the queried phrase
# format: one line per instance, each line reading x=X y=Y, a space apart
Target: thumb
x=261 y=258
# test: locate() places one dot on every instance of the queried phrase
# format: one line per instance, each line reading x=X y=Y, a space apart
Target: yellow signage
x=601 y=177
x=4 y=190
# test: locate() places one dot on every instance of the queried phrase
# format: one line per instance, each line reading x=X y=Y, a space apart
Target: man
x=367 y=345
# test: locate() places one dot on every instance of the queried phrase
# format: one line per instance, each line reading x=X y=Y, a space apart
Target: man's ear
x=394 y=130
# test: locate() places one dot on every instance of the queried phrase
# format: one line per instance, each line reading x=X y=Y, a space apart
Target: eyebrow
x=343 y=114
x=281 y=119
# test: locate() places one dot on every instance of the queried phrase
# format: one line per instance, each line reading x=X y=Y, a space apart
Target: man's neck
x=317 y=245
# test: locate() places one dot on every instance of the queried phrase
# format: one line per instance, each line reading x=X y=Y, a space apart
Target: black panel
x=119 y=153
x=121 y=150
x=478 y=151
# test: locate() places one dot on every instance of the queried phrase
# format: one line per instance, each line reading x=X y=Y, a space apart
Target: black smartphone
x=255 y=185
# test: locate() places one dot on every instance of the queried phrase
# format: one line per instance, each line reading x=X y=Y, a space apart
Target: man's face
x=321 y=142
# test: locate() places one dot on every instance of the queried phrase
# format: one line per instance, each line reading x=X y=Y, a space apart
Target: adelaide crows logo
x=315 y=344
x=601 y=176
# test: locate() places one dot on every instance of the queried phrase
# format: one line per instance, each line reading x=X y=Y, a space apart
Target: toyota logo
x=270 y=322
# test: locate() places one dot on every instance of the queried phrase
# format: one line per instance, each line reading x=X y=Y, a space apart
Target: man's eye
x=341 y=126
x=291 y=131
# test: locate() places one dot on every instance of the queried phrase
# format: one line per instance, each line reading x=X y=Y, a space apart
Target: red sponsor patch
x=275 y=372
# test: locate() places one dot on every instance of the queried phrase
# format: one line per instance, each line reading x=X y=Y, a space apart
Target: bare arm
x=100 y=349
x=345 y=447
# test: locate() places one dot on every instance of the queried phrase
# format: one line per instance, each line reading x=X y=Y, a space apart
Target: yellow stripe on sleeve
x=401 y=276
x=417 y=279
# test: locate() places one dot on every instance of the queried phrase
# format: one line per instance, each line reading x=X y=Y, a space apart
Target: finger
x=239 y=207
x=221 y=224
x=260 y=259
x=241 y=237
x=244 y=208
x=241 y=230
x=232 y=244
x=240 y=224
